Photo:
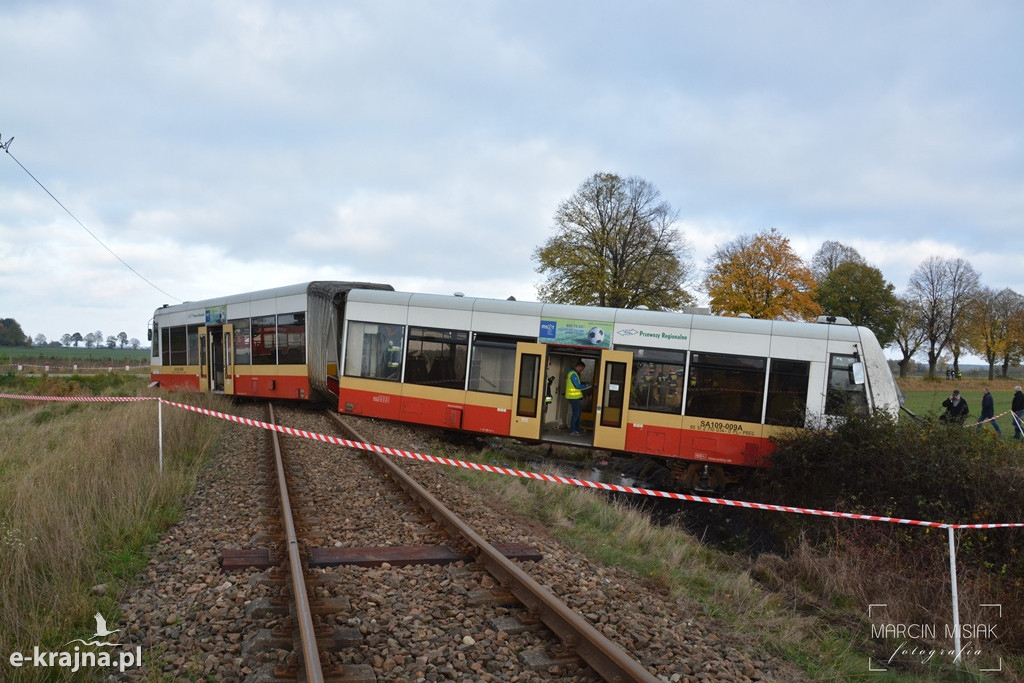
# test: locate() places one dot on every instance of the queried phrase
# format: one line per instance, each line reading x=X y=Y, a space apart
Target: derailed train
x=703 y=392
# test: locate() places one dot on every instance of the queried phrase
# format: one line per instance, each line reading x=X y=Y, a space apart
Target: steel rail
x=303 y=613
x=606 y=658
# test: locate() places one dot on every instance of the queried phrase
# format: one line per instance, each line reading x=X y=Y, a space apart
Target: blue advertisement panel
x=216 y=315
x=573 y=332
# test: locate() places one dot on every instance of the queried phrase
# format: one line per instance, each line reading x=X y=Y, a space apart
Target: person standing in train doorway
x=574 y=388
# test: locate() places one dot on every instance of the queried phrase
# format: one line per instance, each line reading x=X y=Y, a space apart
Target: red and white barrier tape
x=520 y=473
x=989 y=419
x=92 y=399
x=581 y=482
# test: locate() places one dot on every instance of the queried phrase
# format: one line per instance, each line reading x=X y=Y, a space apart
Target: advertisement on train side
x=572 y=332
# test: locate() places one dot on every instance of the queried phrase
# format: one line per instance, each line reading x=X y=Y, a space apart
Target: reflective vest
x=571 y=392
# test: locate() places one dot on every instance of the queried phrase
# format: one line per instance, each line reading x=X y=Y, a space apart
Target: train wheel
x=704 y=478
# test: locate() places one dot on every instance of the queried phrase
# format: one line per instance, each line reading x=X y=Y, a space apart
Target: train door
x=528 y=399
x=216 y=356
x=217 y=371
x=204 y=370
x=612 y=397
x=228 y=344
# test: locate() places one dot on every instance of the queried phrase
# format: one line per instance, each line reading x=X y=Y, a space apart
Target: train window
x=165 y=346
x=528 y=401
x=614 y=388
x=844 y=394
x=242 y=345
x=726 y=387
x=192 y=332
x=374 y=351
x=436 y=357
x=179 y=346
x=291 y=338
x=155 y=341
x=787 y=392
x=492 y=367
x=263 y=340
x=657 y=379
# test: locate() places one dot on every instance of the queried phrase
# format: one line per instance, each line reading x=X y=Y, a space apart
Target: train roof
x=840 y=330
x=376 y=293
x=325 y=288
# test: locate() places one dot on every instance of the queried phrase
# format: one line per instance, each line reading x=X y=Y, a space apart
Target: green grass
x=81 y=500
x=924 y=397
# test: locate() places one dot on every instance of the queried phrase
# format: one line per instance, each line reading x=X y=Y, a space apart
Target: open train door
x=228 y=342
x=528 y=401
x=204 y=368
x=612 y=400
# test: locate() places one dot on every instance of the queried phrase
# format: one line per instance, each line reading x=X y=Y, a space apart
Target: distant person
x=956 y=408
x=988 y=411
x=1017 y=406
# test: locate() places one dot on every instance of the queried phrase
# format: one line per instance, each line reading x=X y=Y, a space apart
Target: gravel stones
x=416 y=623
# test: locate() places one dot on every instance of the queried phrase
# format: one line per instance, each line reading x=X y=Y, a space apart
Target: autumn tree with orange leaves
x=760 y=275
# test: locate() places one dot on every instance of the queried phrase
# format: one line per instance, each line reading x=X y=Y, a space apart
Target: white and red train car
x=704 y=392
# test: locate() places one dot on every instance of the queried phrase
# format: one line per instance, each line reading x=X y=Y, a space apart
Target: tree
x=111 y=342
x=942 y=289
x=762 y=276
x=39 y=339
x=909 y=335
x=991 y=329
x=65 y=339
x=122 y=339
x=830 y=256
x=77 y=338
x=1015 y=348
x=90 y=340
x=11 y=333
x=615 y=245
x=858 y=291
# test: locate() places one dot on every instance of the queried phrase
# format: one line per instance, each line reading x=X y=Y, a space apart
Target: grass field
x=924 y=397
x=16 y=353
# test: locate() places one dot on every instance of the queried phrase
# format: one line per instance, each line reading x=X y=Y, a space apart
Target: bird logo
x=101 y=632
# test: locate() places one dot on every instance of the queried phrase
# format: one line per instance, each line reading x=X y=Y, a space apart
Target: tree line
x=11 y=334
x=615 y=244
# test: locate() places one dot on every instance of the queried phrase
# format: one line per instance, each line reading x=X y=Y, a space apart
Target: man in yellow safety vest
x=574 y=389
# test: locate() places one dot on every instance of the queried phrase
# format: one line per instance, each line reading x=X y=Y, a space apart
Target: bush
x=926 y=471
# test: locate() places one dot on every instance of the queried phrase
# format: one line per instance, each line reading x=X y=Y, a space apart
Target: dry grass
x=80 y=497
x=809 y=607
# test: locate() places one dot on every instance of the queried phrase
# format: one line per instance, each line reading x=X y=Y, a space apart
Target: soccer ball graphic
x=595 y=336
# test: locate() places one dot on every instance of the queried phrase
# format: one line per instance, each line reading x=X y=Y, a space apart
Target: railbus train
x=702 y=392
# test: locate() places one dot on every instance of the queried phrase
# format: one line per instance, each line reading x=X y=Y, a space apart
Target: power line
x=6 y=146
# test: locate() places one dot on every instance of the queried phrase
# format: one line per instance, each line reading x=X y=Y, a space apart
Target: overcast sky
x=221 y=146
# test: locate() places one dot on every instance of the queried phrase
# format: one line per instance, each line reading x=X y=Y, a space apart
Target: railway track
x=576 y=638
x=395 y=596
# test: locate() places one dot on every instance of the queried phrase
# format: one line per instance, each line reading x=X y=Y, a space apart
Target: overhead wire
x=6 y=146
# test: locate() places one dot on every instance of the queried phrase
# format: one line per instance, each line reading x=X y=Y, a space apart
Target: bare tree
x=909 y=333
x=943 y=289
x=830 y=256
